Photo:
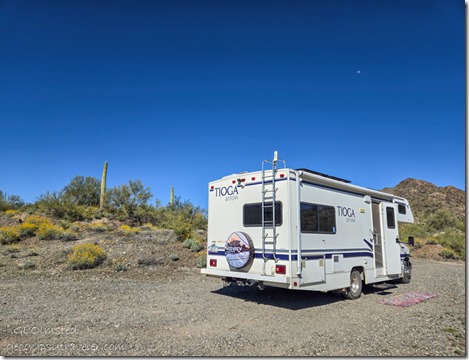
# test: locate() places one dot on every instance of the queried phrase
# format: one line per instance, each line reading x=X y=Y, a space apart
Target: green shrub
x=174 y=257
x=448 y=254
x=32 y=252
x=120 y=264
x=85 y=256
x=202 y=261
x=11 y=249
x=68 y=236
x=196 y=246
x=26 y=265
x=454 y=240
x=182 y=217
x=60 y=206
x=148 y=261
x=193 y=245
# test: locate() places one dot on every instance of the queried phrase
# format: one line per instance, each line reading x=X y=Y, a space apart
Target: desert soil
x=175 y=311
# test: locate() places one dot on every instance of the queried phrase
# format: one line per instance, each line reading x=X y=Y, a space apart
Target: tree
x=130 y=201
x=10 y=202
x=15 y=201
x=83 y=191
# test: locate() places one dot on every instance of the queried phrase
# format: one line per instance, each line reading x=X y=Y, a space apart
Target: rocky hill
x=440 y=219
x=426 y=198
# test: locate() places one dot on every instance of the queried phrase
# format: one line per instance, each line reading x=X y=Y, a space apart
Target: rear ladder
x=269 y=190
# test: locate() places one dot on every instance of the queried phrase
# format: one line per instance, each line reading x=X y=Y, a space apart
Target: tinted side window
x=252 y=214
x=309 y=218
x=390 y=218
x=317 y=219
x=326 y=216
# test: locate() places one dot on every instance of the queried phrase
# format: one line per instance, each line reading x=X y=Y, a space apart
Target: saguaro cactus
x=171 y=196
x=103 y=187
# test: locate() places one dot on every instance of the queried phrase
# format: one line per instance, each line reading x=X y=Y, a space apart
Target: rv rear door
x=392 y=249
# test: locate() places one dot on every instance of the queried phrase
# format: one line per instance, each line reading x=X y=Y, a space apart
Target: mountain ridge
x=426 y=198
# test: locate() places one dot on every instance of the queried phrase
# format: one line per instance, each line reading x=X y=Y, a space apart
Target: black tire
x=356 y=286
x=407 y=273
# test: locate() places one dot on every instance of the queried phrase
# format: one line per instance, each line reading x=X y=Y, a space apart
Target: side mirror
x=410 y=241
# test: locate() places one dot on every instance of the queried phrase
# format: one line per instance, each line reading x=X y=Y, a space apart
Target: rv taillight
x=234 y=181
x=281 y=269
x=213 y=262
x=212 y=187
x=282 y=175
x=253 y=178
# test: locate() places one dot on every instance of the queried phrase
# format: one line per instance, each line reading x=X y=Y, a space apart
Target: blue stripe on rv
x=294 y=257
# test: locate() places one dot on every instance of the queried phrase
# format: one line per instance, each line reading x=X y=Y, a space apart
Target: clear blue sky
x=179 y=93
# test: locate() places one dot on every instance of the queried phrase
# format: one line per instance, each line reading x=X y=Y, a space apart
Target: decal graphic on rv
x=230 y=193
x=346 y=212
x=239 y=250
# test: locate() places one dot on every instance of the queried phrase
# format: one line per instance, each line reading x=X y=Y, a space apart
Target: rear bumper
x=275 y=279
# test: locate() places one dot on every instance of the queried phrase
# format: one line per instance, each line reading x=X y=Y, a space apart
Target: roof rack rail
x=325 y=175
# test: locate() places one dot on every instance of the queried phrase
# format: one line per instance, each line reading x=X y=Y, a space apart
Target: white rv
x=303 y=230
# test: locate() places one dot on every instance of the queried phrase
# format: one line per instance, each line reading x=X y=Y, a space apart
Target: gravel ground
x=184 y=313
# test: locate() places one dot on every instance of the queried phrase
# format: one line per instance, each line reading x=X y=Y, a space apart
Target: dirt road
x=100 y=312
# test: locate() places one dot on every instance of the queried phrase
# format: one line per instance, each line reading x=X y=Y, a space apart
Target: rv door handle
x=397 y=240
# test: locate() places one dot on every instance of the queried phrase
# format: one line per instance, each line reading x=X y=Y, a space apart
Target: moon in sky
x=359 y=71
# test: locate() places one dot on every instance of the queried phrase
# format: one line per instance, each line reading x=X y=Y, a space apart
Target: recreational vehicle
x=304 y=230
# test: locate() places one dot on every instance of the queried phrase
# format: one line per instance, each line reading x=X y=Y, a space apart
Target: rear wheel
x=356 y=285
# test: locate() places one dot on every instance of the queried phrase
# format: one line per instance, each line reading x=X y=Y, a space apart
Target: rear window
x=252 y=214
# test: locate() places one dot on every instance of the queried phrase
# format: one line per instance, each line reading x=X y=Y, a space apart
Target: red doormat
x=408 y=299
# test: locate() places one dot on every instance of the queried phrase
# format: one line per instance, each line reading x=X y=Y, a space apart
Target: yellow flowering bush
x=149 y=227
x=100 y=227
x=11 y=213
x=85 y=256
x=49 y=232
x=9 y=234
x=37 y=220
x=27 y=229
x=128 y=230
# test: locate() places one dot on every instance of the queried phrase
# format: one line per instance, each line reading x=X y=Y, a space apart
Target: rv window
x=401 y=209
x=252 y=215
x=317 y=219
x=390 y=218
